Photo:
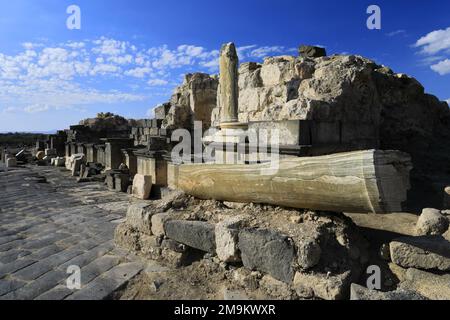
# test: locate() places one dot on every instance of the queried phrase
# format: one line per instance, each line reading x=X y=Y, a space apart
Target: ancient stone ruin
x=362 y=151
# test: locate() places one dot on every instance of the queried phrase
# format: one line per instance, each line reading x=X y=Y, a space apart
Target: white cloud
x=126 y=59
x=435 y=41
x=139 y=72
x=191 y=51
x=157 y=82
x=76 y=45
x=212 y=65
x=104 y=69
x=442 y=67
x=263 y=52
x=109 y=47
x=73 y=75
x=35 y=108
x=396 y=33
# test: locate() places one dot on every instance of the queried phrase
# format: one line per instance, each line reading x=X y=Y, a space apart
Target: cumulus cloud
x=73 y=74
x=266 y=51
x=442 y=67
x=435 y=41
x=436 y=46
x=139 y=72
x=36 y=108
x=157 y=82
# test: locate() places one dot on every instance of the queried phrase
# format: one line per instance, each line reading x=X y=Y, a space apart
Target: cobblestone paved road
x=47 y=226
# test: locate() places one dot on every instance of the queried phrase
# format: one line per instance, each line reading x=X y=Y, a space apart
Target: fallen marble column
x=362 y=181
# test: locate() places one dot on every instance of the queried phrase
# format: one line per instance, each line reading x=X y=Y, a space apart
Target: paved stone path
x=45 y=227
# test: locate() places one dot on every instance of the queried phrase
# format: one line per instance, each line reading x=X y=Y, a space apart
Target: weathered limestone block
x=276 y=71
x=431 y=222
x=59 y=161
x=447 y=198
x=76 y=166
x=158 y=220
x=430 y=285
x=267 y=251
x=362 y=181
x=74 y=162
x=161 y=111
x=195 y=234
x=358 y=292
x=11 y=162
x=121 y=182
x=139 y=217
x=227 y=234
x=427 y=252
x=179 y=116
x=83 y=171
x=334 y=287
x=110 y=182
x=311 y=51
x=142 y=186
x=172 y=176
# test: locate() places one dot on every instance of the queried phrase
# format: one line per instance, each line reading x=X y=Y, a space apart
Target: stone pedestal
x=101 y=154
x=40 y=145
x=113 y=153
x=73 y=148
x=130 y=160
x=121 y=182
x=11 y=162
x=81 y=148
x=91 y=153
x=154 y=166
x=67 y=150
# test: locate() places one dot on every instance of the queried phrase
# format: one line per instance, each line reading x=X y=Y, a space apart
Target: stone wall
x=370 y=102
x=193 y=101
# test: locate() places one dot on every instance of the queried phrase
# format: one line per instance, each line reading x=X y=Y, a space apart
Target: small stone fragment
x=142 y=186
x=431 y=222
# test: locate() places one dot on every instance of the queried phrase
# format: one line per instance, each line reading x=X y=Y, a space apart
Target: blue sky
x=129 y=55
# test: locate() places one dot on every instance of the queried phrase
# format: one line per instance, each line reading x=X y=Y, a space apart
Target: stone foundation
x=306 y=254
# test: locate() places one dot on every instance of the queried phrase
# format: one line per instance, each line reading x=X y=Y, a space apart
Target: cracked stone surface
x=45 y=227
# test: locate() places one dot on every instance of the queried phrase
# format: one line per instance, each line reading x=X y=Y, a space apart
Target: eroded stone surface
x=431 y=222
x=427 y=252
x=196 y=234
x=268 y=251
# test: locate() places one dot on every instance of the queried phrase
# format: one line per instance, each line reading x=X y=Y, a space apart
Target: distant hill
x=30 y=132
x=20 y=139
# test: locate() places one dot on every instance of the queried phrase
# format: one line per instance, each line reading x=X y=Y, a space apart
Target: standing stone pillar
x=229 y=90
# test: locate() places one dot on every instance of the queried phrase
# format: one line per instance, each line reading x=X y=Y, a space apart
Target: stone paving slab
x=47 y=227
